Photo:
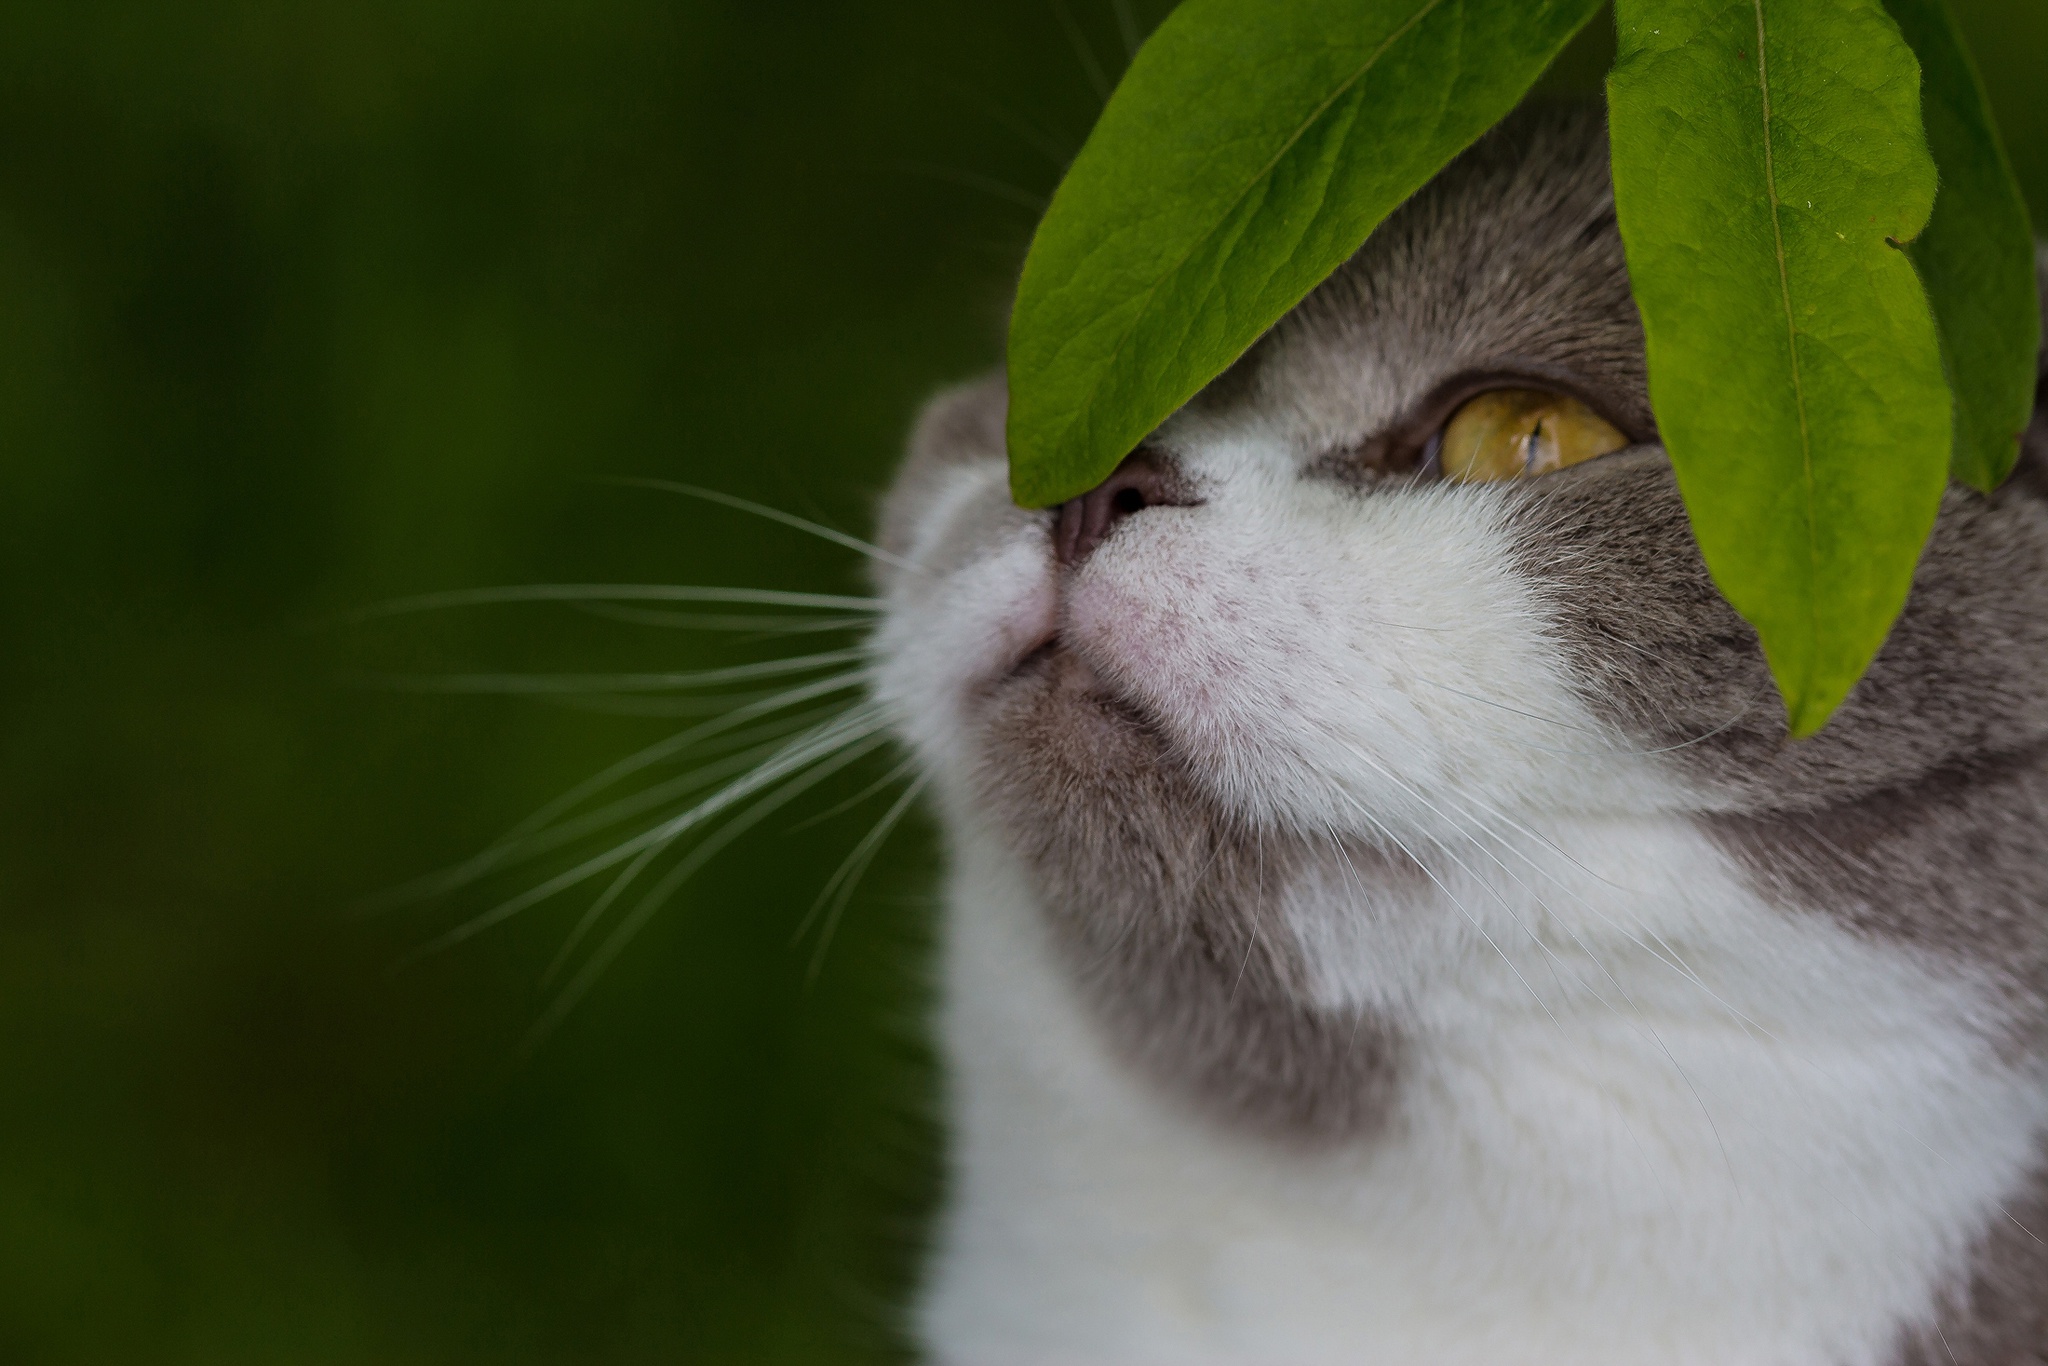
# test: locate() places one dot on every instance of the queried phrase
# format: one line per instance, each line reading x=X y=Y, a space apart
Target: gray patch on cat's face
x=1167 y=913
x=1667 y=661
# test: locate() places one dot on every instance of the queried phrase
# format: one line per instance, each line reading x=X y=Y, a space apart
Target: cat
x=1385 y=919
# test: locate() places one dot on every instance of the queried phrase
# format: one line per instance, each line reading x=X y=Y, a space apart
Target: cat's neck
x=1619 y=1164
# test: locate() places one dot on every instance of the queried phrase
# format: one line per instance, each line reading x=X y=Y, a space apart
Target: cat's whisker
x=1641 y=1022
x=1127 y=27
x=1608 y=752
x=469 y=870
x=1257 y=908
x=843 y=883
x=1084 y=52
x=974 y=180
x=880 y=784
x=855 y=726
x=1551 y=960
x=611 y=592
x=611 y=894
x=543 y=685
x=797 y=783
x=1030 y=134
x=657 y=705
x=647 y=799
x=1668 y=956
x=593 y=913
x=674 y=745
x=1612 y=752
x=788 y=519
x=1470 y=919
x=764 y=626
x=1707 y=1114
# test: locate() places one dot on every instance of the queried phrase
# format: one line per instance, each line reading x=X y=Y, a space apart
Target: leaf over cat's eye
x=1768 y=157
x=1249 y=150
x=1976 y=256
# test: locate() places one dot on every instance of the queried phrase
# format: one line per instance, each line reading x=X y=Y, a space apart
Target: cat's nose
x=1146 y=478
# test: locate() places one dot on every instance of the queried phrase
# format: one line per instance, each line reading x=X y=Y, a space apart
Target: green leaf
x=1249 y=150
x=1977 y=255
x=1767 y=156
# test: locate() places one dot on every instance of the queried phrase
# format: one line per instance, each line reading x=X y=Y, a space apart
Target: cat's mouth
x=1054 y=658
x=1067 y=700
x=1038 y=656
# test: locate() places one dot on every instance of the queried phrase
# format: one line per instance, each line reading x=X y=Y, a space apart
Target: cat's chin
x=1053 y=708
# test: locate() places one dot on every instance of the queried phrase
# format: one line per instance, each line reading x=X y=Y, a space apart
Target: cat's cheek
x=949 y=641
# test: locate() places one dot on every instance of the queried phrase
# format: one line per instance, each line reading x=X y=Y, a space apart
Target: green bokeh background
x=304 y=306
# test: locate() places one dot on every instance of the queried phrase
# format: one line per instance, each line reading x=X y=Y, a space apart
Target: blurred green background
x=304 y=306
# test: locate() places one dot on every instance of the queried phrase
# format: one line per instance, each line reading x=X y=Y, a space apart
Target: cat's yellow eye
x=1515 y=433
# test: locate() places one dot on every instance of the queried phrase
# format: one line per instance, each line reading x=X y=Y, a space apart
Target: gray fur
x=1168 y=914
x=1997 y=1310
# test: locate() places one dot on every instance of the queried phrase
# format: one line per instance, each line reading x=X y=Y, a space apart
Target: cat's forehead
x=1508 y=265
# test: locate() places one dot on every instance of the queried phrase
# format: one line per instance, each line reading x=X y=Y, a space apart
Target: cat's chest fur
x=1655 y=1165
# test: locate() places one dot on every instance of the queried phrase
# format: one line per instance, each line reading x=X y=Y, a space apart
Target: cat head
x=1305 y=641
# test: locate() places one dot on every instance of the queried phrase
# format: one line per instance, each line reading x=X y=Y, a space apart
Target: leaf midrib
x=1763 y=78
x=1238 y=198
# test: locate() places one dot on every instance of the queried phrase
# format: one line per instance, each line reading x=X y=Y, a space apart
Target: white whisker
x=624 y=808
x=1664 y=953
x=615 y=943
x=659 y=706
x=547 y=684
x=1470 y=919
x=788 y=519
x=1030 y=134
x=1083 y=51
x=469 y=870
x=840 y=808
x=595 y=911
x=765 y=626
x=989 y=185
x=1127 y=27
x=849 y=874
x=800 y=753
x=610 y=592
x=1683 y=1076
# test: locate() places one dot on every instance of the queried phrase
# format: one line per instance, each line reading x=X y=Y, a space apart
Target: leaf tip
x=1807 y=713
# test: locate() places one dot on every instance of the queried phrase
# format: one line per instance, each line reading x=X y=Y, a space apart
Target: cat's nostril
x=1146 y=478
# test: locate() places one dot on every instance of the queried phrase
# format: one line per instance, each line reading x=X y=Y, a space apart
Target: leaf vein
x=1763 y=77
x=1300 y=131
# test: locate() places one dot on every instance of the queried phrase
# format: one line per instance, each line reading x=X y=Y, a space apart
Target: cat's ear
x=961 y=426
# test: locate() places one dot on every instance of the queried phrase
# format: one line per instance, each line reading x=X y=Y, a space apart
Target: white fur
x=1645 y=1116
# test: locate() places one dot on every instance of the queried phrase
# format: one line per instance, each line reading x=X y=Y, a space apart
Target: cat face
x=1289 y=698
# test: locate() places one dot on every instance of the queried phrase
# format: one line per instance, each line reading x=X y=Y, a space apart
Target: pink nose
x=1145 y=479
